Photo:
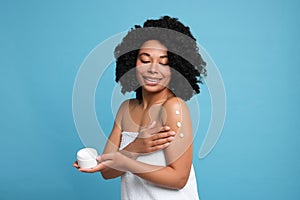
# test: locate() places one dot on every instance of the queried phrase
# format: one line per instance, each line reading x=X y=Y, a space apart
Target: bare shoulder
x=128 y=104
x=175 y=111
x=133 y=102
x=124 y=107
x=176 y=105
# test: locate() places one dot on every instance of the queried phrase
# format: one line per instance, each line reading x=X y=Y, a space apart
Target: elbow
x=181 y=183
x=106 y=176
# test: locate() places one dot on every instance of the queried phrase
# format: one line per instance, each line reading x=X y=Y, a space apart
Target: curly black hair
x=187 y=65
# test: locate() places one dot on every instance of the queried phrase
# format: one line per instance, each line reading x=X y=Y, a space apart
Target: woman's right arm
x=113 y=142
x=112 y=145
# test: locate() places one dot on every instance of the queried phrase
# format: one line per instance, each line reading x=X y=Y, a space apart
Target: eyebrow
x=146 y=54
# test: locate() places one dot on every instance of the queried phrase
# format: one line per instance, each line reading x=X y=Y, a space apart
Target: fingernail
x=171 y=138
x=167 y=127
x=98 y=158
x=172 y=133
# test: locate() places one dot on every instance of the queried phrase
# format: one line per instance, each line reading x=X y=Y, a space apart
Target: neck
x=151 y=98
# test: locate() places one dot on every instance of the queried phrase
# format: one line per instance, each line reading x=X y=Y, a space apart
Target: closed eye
x=144 y=61
x=144 y=58
x=164 y=64
x=164 y=60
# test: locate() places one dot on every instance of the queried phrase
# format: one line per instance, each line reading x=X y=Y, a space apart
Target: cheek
x=166 y=71
x=140 y=70
x=167 y=74
x=138 y=74
x=137 y=63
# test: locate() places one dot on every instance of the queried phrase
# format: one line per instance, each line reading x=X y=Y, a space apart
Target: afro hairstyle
x=187 y=65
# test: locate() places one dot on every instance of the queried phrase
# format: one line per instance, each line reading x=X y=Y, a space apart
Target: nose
x=152 y=68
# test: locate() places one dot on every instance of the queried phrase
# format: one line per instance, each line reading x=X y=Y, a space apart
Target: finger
x=160 y=147
x=164 y=129
x=152 y=129
x=160 y=129
x=162 y=141
x=98 y=158
x=97 y=168
x=75 y=164
x=163 y=135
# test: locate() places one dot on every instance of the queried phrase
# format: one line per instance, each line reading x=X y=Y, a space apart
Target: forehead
x=153 y=45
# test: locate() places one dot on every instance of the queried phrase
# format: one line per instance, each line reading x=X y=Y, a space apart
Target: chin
x=154 y=89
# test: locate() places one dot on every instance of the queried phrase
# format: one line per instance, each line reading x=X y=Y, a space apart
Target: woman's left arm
x=178 y=154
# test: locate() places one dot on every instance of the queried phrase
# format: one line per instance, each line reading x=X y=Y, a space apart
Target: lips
x=151 y=80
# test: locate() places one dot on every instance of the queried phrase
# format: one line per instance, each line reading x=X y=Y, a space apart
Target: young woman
x=150 y=145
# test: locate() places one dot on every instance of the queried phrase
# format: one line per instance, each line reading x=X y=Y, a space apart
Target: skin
x=149 y=119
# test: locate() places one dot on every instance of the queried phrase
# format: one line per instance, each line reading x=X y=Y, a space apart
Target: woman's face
x=152 y=66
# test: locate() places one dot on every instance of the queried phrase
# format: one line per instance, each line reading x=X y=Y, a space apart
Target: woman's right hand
x=150 y=138
x=98 y=168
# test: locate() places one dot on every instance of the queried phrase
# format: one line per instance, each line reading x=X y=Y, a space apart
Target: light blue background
x=255 y=45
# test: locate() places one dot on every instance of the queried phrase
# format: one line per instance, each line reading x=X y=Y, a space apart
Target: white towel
x=136 y=188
